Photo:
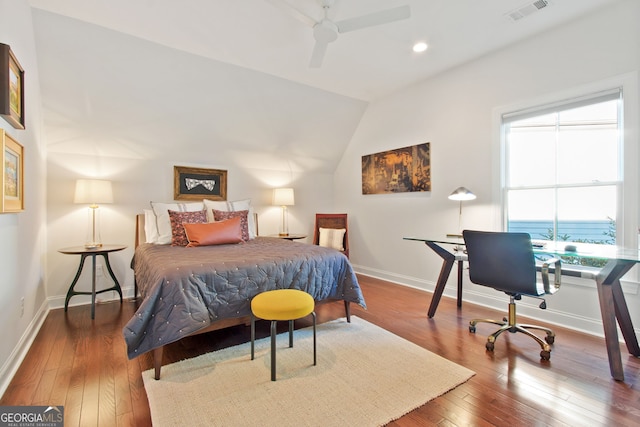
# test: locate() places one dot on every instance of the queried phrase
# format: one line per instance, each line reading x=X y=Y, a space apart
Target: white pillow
x=236 y=205
x=150 y=226
x=332 y=238
x=161 y=211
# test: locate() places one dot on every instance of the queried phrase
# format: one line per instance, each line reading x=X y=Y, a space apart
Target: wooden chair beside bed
x=332 y=230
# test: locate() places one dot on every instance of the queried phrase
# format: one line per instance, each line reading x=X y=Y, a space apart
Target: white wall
x=22 y=235
x=455 y=111
x=125 y=109
x=139 y=181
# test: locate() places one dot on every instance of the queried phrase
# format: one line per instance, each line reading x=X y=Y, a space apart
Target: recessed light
x=419 y=47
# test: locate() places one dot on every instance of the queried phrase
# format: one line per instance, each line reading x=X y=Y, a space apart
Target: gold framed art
x=198 y=183
x=11 y=88
x=12 y=174
x=402 y=170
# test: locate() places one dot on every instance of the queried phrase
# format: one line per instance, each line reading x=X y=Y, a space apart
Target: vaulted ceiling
x=130 y=78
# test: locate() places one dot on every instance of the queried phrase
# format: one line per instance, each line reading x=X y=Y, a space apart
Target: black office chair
x=505 y=261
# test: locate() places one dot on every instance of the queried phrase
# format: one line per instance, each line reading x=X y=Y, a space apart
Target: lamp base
x=283 y=234
x=92 y=245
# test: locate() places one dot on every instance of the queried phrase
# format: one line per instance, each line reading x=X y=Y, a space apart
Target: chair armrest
x=557 y=274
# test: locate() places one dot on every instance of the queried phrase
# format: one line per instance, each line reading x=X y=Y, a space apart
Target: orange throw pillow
x=214 y=233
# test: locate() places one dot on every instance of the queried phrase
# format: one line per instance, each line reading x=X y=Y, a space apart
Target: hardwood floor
x=82 y=364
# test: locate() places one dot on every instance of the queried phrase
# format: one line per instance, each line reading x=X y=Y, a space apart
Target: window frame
x=630 y=84
x=613 y=94
x=627 y=229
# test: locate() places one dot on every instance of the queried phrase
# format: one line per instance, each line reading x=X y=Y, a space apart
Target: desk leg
x=447 y=263
x=460 y=269
x=624 y=319
x=612 y=305
x=71 y=292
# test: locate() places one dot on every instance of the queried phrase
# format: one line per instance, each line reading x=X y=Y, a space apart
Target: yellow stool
x=281 y=304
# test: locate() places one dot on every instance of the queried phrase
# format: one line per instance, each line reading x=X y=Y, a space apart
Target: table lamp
x=93 y=192
x=284 y=197
x=460 y=194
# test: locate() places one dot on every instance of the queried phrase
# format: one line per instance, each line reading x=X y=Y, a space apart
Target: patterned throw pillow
x=243 y=215
x=178 y=236
x=232 y=206
x=162 y=221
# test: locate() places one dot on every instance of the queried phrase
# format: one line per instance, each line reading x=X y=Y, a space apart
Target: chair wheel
x=550 y=339
x=545 y=355
x=489 y=346
x=472 y=329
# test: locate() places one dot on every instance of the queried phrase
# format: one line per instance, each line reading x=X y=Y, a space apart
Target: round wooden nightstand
x=103 y=250
x=289 y=236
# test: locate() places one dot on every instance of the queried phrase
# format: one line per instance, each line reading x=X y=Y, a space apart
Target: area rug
x=365 y=376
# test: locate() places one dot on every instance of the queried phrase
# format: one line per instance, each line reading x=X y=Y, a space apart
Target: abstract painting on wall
x=401 y=170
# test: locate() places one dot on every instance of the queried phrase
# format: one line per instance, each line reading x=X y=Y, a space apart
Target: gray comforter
x=184 y=289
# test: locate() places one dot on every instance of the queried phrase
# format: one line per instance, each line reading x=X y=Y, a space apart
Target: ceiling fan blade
x=292 y=11
x=376 y=18
x=317 y=56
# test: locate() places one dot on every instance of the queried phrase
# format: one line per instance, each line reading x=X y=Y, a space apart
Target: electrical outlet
x=99 y=271
x=21 y=306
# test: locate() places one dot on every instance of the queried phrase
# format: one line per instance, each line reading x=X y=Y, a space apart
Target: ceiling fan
x=326 y=31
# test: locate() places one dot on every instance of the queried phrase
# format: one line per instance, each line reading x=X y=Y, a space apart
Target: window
x=563 y=177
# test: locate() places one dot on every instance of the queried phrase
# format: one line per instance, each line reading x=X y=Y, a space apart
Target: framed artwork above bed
x=198 y=183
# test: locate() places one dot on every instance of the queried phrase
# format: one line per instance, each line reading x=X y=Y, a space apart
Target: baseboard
x=526 y=308
x=58 y=301
x=400 y=279
x=18 y=354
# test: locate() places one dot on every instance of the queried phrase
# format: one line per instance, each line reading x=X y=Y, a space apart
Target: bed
x=191 y=290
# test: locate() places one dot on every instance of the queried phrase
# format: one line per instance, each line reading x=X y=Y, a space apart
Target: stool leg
x=273 y=350
x=290 y=333
x=313 y=313
x=253 y=334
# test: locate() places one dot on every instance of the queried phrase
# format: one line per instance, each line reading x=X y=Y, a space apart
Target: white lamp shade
x=93 y=191
x=462 y=193
x=283 y=197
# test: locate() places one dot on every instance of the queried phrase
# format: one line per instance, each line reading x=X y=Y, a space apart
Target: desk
x=613 y=306
x=449 y=257
x=84 y=253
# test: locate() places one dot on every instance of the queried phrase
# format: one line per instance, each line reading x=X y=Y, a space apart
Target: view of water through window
x=563 y=177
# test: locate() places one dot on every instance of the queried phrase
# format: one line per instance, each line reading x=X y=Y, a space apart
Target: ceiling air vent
x=527 y=9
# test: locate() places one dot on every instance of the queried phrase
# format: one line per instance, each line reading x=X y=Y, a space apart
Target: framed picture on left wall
x=11 y=88
x=12 y=174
